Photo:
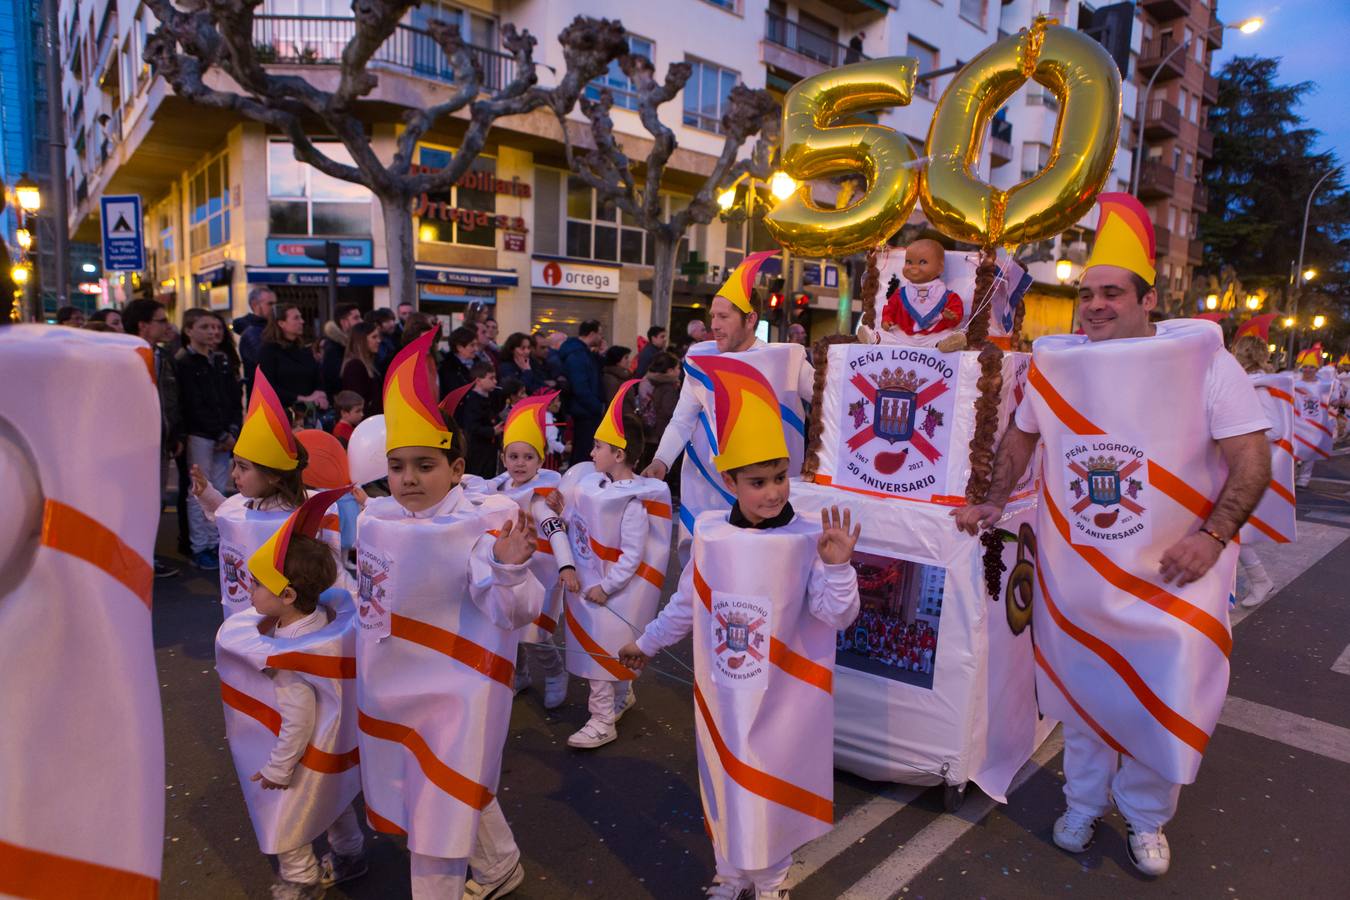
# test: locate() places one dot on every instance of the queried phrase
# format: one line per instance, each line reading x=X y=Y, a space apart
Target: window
x=209 y=204
x=927 y=56
x=973 y=11
x=617 y=82
x=1190 y=165
x=1034 y=158
x=465 y=215
x=817 y=39
x=1176 y=159
x=595 y=229
x=728 y=5
x=304 y=201
x=706 y=93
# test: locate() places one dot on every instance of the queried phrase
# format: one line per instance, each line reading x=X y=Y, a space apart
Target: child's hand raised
x=515 y=542
x=198 y=481
x=267 y=785
x=837 y=541
x=632 y=657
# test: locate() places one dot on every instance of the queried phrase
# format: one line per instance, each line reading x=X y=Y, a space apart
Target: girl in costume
x=619 y=524
x=439 y=612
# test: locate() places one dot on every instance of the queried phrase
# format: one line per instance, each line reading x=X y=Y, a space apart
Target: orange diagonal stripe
x=27 y=872
x=319 y=760
x=598 y=653
x=1072 y=418
x=612 y=554
x=1282 y=492
x=1150 y=593
x=1180 y=491
x=1082 y=713
x=68 y=530
x=465 y=790
x=1182 y=728
x=457 y=647
x=381 y=824
x=545 y=623
x=1284 y=445
x=798 y=666
x=314 y=664
x=756 y=781
x=657 y=508
x=702 y=589
x=1279 y=394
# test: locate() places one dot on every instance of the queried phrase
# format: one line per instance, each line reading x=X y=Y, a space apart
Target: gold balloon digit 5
x=815 y=147
x=1085 y=81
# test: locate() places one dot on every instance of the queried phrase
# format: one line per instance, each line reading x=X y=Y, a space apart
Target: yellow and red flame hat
x=610 y=429
x=749 y=426
x=1312 y=356
x=525 y=423
x=1257 y=326
x=411 y=417
x=268 y=562
x=266 y=437
x=739 y=288
x=1124 y=237
x=1344 y=360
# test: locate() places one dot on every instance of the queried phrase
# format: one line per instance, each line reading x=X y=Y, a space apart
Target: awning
x=462 y=276
x=318 y=277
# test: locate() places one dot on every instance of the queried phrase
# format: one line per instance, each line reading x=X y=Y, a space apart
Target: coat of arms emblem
x=896 y=404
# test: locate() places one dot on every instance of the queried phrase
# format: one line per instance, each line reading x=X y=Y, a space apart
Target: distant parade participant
x=734 y=315
x=765 y=594
x=1313 y=432
x=439 y=614
x=1155 y=456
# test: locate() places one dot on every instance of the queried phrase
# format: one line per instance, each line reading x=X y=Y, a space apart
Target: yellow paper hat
x=268 y=562
x=610 y=429
x=525 y=423
x=1310 y=357
x=739 y=288
x=266 y=438
x=749 y=420
x=1124 y=237
x=1344 y=360
x=411 y=418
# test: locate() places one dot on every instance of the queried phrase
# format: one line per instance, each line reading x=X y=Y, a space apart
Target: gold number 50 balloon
x=814 y=147
x=1084 y=80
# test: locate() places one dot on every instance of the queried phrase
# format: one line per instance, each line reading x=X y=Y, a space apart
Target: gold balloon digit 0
x=1085 y=81
x=814 y=147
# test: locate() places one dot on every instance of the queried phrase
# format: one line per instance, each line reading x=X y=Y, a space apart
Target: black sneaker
x=164 y=570
x=334 y=868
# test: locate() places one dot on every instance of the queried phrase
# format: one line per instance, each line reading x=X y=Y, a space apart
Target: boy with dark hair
x=351 y=408
x=477 y=418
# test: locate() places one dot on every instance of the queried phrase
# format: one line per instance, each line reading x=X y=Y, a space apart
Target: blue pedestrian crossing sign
x=123 y=237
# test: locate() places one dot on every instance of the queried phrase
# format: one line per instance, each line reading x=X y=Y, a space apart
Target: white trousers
x=344 y=837
x=769 y=879
x=1094 y=775
x=606 y=698
x=215 y=465
x=495 y=854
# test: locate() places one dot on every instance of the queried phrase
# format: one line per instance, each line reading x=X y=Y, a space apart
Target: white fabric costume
x=290 y=714
x=1274 y=517
x=1313 y=434
x=1133 y=667
x=438 y=625
x=82 y=752
x=764 y=611
x=690 y=431
x=243 y=529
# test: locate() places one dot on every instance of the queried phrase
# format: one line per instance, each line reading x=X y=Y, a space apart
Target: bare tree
x=615 y=177
x=218 y=34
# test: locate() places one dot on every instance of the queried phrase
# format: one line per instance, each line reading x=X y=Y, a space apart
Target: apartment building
x=228 y=208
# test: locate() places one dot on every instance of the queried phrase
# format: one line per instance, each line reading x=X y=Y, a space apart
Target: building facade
x=227 y=208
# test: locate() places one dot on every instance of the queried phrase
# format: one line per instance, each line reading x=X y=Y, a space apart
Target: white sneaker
x=1257 y=591
x=474 y=890
x=593 y=734
x=1074 y=831
x=628 y=703
x=555 y=690
x=727 y=890
x=1149 y=852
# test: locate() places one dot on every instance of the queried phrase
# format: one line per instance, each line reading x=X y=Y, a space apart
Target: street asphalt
x=1268 y=817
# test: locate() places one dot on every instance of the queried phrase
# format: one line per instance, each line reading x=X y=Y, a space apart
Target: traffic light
x=803 y=300
x=775 y=301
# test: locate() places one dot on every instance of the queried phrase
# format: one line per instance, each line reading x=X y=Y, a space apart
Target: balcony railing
x=1162 y=240
x=1200 y=198
x=1156 y=180
x=1204 y=144
x=319 y=40
x=1161 y=119
x=1210 y=90
x=823 y=48
x=1195 y=251
x=1154 y=52
x=1167 y=10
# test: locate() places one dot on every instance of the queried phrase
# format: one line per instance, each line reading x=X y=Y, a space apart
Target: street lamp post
x=1301 y=275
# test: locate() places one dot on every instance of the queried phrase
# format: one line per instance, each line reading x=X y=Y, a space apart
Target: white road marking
x=1342 y=663
x=1290 y=729
x=896 y=870
x=849 y=830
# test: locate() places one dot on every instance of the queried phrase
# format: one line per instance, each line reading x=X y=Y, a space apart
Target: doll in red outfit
x=919 y=309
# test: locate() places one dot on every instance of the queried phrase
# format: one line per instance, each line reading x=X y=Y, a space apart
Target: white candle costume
x=764 y=611
x=82 y=763
x=438 y=626
x=1274 y=519
x=258 y=670
x=1313 y=430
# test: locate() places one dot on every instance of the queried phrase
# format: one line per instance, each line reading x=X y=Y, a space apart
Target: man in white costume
x=1140 y=501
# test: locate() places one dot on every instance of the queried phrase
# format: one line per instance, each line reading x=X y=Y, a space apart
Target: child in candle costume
x=764 y=593
x=440 y=610
x=285 y=671
x=527 y=485
x=620 y=524
x=1313 y=431
x=268 y=462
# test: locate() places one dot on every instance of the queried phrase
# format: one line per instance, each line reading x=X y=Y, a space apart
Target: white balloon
x=365 y=451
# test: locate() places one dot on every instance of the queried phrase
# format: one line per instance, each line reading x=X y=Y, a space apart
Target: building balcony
x=799 y=51
x=1162 y=240
x=1156 y=181
x=1200 y=198
x=1195 y=251
x=867 y=9
x=1166 y=10
x=1161 y=120
x=1000 y=143
x=1157 y=56
x=1210 y=91
x=319 y=41
x=1204 y=144
x=1214 y=37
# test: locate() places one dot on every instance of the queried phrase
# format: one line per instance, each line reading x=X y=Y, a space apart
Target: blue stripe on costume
x=792 y=419
x=691 y=456
x=687 y=518
x=699 y=376
x=789 y=416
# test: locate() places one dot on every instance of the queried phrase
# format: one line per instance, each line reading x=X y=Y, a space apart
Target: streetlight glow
x=19 y=275
x=1063 y=270
x=1288 y=322
x=24 y=238
x=782 y=185
x=1253 y=302
x=726 y=199
x=1212 y=301
x=1309 y=274
x=89 y=267
x=1252 y=25
x=1272 y=347
x=1319 y=321
x=27 y=193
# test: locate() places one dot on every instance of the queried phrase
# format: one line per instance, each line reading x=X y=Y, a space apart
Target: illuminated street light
x=1309 y=274
x=24 y=237
x=1319 y=321
x=1212 y=301
x=1272 y=347
x=19 y=275
x=726 y=199
x=1063 y=270
x=1288 y=321
x=782 y=185
x=27 y=193
x=1253 y=302
x=1251 y=26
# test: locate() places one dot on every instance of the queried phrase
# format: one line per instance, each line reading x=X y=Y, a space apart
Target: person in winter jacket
x=658 y=393
x=585 y=398
x=334 y=345
x=250 y=327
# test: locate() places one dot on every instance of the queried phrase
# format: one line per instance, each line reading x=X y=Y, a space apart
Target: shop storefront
x=564 y=293
x=448 y=292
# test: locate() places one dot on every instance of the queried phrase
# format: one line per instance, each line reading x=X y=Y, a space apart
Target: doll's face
x=923 y=262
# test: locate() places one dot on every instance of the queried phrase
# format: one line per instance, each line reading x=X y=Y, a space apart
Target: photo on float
x=895 y=633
